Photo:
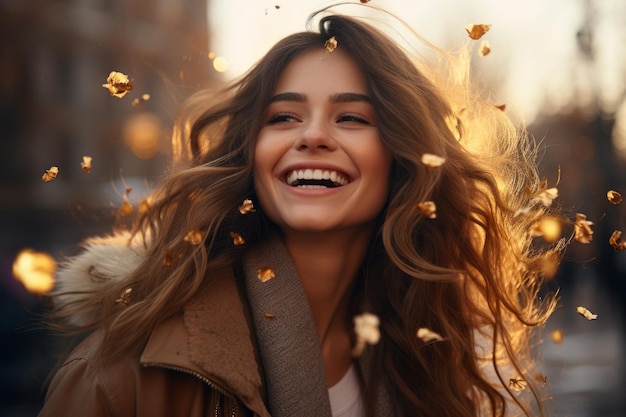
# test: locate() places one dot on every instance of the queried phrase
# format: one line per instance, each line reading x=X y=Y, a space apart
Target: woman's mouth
x=315 y=178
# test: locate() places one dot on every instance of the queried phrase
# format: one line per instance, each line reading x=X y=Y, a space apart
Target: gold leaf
x=367 y=332
x=476 y=31
x=614 y=197
x=557 y=336
x=616 y=241
x=484 y=49
x=50 y=174
x=237 y=239
x=194 y=237
x=517 y=384
x=118 y=84
x=144 y=206
x=126 y=209
x=549 y=227
x=247 y=207
x=432 y=161
x=331 y=44
x=427 y=208
x=428 y=335
x=582 y=229
x=85 y=164
x=265 y=274
x=586 y=313
x=125 y=297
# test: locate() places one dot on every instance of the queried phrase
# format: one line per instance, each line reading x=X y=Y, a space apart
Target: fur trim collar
x=104 y=261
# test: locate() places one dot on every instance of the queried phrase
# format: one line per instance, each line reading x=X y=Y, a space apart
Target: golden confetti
x=557 y=336
x=427 y=208
x=548 y=263
x=545 y=196
x=549 y=227
x=476 y=31
x=265 y=274
x=247 y=207
x=126 y=209
x=582 y=229
x=367 y=332
x=237 y=239
x=50 y=174
x=194 y=237
x=428 y=335
x=614 y=197
x=517 y=384
x=586 y=313
x=118 y=84
x=432 y=161
x=35 y=270
x=484 y=49
x=139 y=101
x=269 y=316
x=125 y=297
x=85 y=164
x=331 y=44
x=616 y=241
x=144 y=206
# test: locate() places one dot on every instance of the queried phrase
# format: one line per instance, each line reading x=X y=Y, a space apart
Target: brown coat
x=175 y=375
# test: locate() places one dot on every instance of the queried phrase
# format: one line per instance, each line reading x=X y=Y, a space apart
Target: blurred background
x=559 y=66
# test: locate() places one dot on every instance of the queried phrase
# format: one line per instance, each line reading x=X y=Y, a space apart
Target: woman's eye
x=282 y=118
x=349 y=117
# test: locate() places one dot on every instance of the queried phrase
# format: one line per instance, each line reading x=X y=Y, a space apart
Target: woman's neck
x=327 y=264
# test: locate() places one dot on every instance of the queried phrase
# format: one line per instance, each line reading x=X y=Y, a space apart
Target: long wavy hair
x=470 y=274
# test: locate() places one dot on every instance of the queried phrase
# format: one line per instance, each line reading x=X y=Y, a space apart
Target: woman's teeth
x=315 y=178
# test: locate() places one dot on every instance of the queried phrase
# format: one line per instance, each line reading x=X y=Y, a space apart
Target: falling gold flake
x=247 y=207
x=501 y=107
x=118 y=84
x=432 y=160
x=237 y=239
x=517 y=384
x=549 y=227
x=269 y=316
x=557 y=336
x=125 y=297
x=616 y=241
x=144 y=206
x=85 y=164
x=428 y=209
x=35 y=270
x=582 y=229
x=367 y=332
x=126 y=209
x=265 y=274
x=139 y=101
x=194 y=237
x=586 y=313
x=50 y=174
x=548 y=263
x=484 y=49
x=545 y=196
x=331 y=44
x=476 y=31
x=614 y=197
x=428 y=335
x=167 y=260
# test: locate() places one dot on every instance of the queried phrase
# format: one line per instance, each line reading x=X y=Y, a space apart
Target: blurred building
x=55 y=55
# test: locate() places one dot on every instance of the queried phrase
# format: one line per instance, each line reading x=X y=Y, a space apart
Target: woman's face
x=319 y=163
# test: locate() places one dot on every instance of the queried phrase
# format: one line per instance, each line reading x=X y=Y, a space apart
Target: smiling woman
x=329 y=186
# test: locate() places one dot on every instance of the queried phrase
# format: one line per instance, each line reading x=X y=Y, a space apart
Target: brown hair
x=467 y=274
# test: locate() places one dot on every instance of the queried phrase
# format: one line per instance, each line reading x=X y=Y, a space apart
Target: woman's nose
x=315 y=136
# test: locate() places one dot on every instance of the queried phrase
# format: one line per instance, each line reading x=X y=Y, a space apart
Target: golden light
x=220 y=64
x=550 y=228
x=35 y=270
x=142 y=133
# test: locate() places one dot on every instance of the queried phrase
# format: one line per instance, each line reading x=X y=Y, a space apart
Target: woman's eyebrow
x=335 y=98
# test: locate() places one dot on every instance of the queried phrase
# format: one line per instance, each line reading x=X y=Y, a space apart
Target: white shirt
x=345 y=396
